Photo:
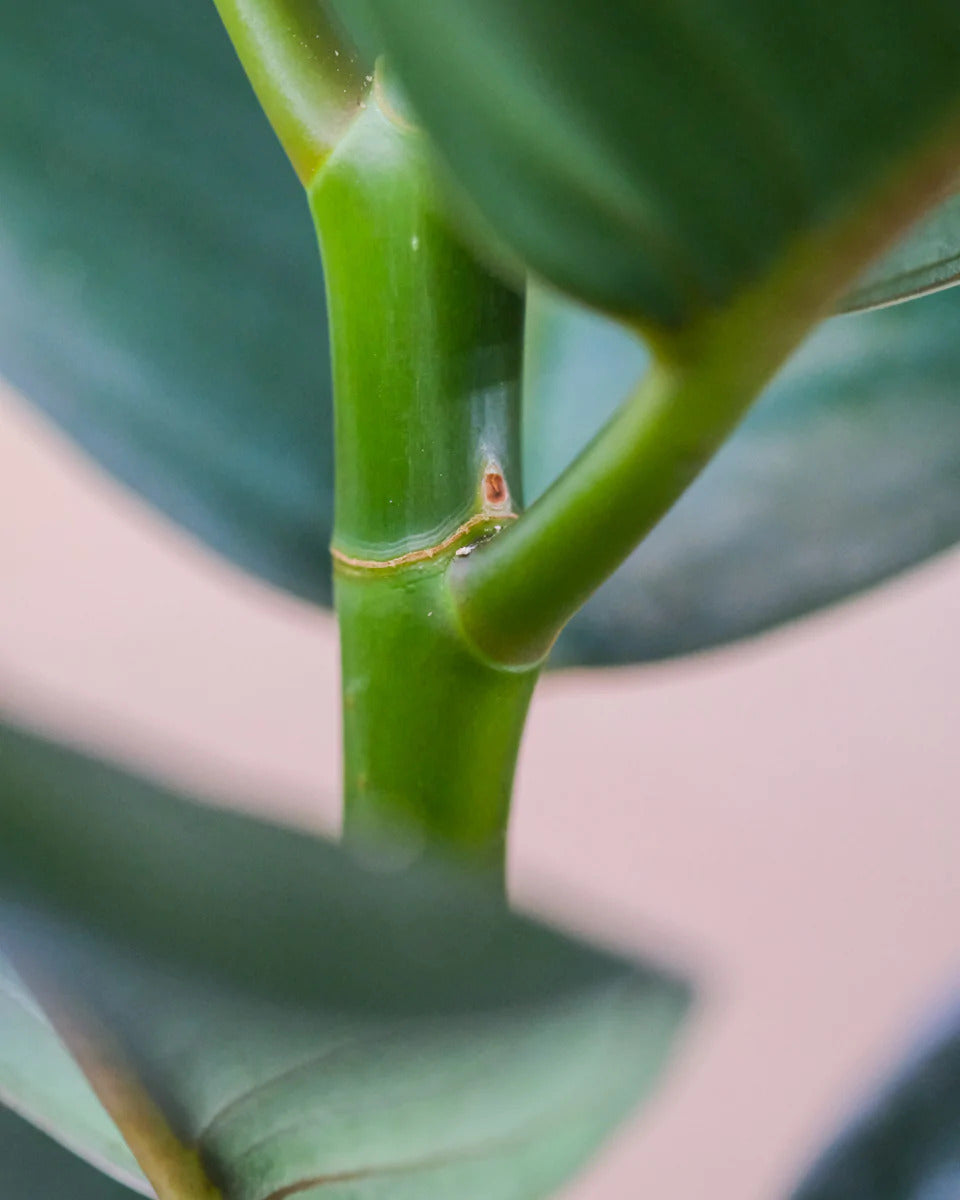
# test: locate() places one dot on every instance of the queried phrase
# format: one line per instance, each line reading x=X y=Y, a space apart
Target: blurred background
x=780 y=816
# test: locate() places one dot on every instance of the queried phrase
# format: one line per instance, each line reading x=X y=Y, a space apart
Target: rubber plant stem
x=427 y=351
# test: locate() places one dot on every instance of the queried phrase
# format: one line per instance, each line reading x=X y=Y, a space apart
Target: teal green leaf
x=653 y=159
x=927 y=259
x=904 y=1144
x=42 y=1082
x=160 y=294
x=34 y=1167
x=846 y=471
x=301 y=1012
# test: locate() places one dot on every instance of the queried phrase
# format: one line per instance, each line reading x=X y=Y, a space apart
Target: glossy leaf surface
x=34 y=1167
x=905 y=1143
x=652 y=159
x=846 y=471
x=160 y=293
x=303 y=1013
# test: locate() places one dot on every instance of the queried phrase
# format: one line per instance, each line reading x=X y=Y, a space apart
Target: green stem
x=515 y=594
x=306 y=77
x=427 y=351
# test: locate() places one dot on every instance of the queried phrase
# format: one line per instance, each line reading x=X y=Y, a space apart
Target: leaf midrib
x=486 y=1149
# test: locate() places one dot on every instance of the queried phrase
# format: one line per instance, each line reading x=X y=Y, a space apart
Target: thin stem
x=515 y=593
x=306 y=77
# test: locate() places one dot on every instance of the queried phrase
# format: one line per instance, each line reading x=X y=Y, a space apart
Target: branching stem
x=515 y=593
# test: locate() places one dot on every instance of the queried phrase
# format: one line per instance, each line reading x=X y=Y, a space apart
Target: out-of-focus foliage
x=905 y=1143
x=928 y=258
x=653 y=159
x=308 y=1020
x=160 y=296
x=33 y=1167
x=846 y=471
x=40 y=1078
x=302 y=1012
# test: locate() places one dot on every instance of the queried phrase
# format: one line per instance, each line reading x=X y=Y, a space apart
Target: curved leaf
x=653 y=159
x=905 y=1143
x=301 y=1013
x=846 y=471
x=41 y=1081
x=32 y=1167
x=160 y=293
x=159 y=290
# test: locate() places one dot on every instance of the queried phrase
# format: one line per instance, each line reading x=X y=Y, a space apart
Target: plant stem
x=306 y=78
x=514 y=594
x=427 y=350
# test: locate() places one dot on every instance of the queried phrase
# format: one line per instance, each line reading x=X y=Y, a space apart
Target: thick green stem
x=307 y=78
x=427 y=351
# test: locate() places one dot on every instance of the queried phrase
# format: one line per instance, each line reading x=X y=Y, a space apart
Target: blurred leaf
x=33 y=1167
x=160 y=296
x=905 y=1144
x=653 y=158
x=42 y=1081
x=160 y=293
x=846 y=471
x=302 y=1013
x=928 y=258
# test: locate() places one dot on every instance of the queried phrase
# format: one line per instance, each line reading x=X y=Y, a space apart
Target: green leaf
x=40 y=1079
x=302 y=1012
x=905 y=1143
x=33 y=1167
x=653 y=159
x=160 y=296
x=927 y=259
x=846 y=471
x=160 y=293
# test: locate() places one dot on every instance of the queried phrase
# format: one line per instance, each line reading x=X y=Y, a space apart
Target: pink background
x=783 y=815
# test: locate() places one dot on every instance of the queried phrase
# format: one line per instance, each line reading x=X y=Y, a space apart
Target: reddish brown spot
x=494 y=488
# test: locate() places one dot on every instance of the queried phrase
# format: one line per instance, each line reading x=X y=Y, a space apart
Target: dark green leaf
x=299 y=1011
x=33 y=1167
x=160 y=294
x=654 y=158
x=847 y=471
x=159 y=290
x=905 y=1144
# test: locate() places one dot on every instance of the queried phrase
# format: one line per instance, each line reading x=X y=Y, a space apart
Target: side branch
x=515 y=593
